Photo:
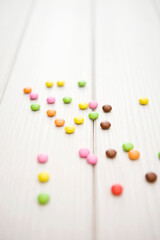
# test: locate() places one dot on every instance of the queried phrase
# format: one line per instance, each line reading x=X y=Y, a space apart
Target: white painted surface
x=58 y=44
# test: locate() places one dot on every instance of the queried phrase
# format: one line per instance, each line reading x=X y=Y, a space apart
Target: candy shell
x=93 y=115
x=51 y=112
x=159 y=155
x=60 y=83
x=43 y=198
x=35 y=107
x=143 y=101
x=81 y=83
x=117 y=189
x=59 y=122
x=93 y=104
x=70 y=129
x=84 y=152
x=83 y=105
x=79 y=120
x=127 y=146
x=67 y=100
x=33 y=96
x=49 y=84
x=51 y=100
x=27 y=90
x=43 y=176
x=42 y=158
x=133 y=154
x=92 y=159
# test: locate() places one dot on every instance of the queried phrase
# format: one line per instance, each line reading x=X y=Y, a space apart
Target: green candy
x=67 y=99
x=81 y=83
x=159 y=155
x=127 y=146
x=35 y=107
x=43 y=198
x=93 y=115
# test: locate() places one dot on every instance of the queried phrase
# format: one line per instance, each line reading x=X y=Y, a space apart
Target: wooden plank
x=127 y=68
x=57 y=45
x=13 y=21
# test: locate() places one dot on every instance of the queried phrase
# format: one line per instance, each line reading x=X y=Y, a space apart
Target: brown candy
x=111 y=153
x=107 y=108
x=105 y=125
x=151 y=177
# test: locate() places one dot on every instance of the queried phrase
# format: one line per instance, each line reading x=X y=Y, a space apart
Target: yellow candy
x=60 y=83
x=70 y=129
x=143 y=101
x=79 y=120
x=43 y=176
x=83 y=105
x=49 y=84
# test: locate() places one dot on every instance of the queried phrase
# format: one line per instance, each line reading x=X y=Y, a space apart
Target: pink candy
x=92 y=159
x=84 y=152
x=93 y=104
x=42 y=158
x=51 y=100
x=33 y=96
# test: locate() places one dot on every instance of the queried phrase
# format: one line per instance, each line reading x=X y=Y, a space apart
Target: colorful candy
x=43 y=176
x=117 y=189
x=143 y=101
x=69 y=129
x=81 y=83
x=59 y=122
x=159 y=155
x=92 y=159
x=83 y=105
x=35 y=107
x=151 y=177
x=93 y=104
x=133 y=154
x=43 y=198
x=51 y=112
x=93 y=115
x=105 y=125
x=84 y=152
x=33 y=96
x=42 y=158
x=111 y=153
x=51 y=100
x=127 y=146
x=27 y=90
x=79 y=120
x=67 y=100
x=60 y=83
x=107 y=108
x=49 y=84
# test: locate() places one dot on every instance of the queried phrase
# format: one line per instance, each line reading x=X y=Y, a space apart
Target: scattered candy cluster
x=91 y=158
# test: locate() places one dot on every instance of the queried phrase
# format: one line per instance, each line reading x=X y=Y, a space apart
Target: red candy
x=117 y=189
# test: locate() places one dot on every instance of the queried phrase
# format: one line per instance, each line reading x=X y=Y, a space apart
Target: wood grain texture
x=14 y=16
x=57 y=45
x=127 y=68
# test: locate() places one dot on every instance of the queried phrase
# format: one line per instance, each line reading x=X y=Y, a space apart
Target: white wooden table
x=115 y=46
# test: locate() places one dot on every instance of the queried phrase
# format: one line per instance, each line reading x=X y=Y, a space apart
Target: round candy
x=143 y=101
x=42 y=158
x=83 y=105
x=79 y=120
x=70 y=129
x=43 y=176
x=51 y=112
x=51 y=100
x=159 y=155
x=60 y=83
x=127 y=146
x=92 y=159
x=151 y=177
x=84 y=152
x=93 y=104
x=67 y=100
x=93 y=115
x=117 y=189
x=133 y=154
x=81 y=83
x=49 y=84
x=27 y=90
x=43 y=198
x=59 y=122
x=107 y=108
x=35 y=107
x=33 y=96
x=111 y=153
x=105 y=125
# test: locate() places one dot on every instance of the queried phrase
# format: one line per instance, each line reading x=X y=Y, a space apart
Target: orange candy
x=51 y=112
x=59 y=122
x=27 y=90
x=133 y=154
